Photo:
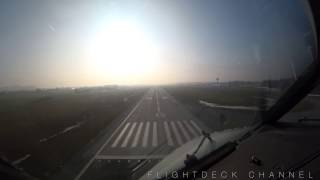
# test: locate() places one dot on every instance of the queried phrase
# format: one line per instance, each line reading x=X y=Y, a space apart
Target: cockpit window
x=118 y=85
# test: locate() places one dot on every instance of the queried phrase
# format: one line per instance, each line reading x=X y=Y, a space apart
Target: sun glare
x=123 y=52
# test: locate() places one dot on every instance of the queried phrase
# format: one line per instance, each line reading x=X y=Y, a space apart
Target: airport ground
x=97 y=132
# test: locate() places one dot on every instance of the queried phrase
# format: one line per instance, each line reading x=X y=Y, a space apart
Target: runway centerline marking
x=158 y=106
x=136 y=138
x=168 y=134
x=125 y=142
x=176 y=133
x=146 y=135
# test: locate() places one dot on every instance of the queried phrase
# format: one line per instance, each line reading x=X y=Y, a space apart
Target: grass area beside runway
x=222 y=95
x=217 y=118
x=223 y=118
x=229 y=95
x=52 y=125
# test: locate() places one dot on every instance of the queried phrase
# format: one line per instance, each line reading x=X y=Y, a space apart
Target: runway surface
x=157 y=125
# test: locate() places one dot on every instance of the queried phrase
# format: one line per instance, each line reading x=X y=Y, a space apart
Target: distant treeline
x=276 y=84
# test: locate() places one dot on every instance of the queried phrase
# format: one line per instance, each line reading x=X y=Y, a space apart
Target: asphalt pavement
x=155 y=126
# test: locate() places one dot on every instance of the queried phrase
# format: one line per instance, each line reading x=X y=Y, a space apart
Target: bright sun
x=121 y=51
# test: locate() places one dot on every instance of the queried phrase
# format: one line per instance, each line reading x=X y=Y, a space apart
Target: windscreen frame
x=307 y=81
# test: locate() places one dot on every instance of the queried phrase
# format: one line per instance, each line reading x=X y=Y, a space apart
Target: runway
x=157 y=125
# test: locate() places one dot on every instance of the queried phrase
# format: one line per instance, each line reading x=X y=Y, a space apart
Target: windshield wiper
x=191 y=159
x=205 y=162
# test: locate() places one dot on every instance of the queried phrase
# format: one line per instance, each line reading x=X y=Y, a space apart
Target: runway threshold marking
x=196 y=127
x=136 y=138
x=115 y=143
x=184 y=132
x=168 y=133
x=125 y=142
x=83 y=170
x=193 y=132
x=155 y=135
x=146 y=135
x=176 y=133
x=131 y=157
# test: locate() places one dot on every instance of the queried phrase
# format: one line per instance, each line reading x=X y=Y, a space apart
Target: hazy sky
x=84 y=43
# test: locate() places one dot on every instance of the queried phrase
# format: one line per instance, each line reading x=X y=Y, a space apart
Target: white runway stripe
x=146 y=135
x=176 y=133
x=196 y=127
x=184 y=132
x=193 y=132
x=136 y=138
x=126 y=140
x=155 y=135
x=168 y=134
x=115 y=143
